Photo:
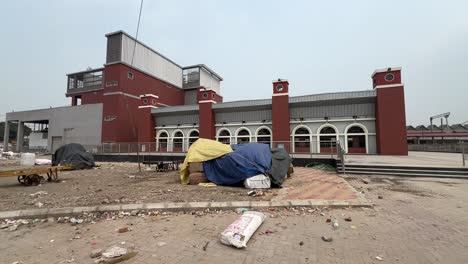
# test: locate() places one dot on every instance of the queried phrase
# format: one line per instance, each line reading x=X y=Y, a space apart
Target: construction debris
x=241 y=230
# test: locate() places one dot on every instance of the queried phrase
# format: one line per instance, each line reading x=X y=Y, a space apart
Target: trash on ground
x=301 y=243
x=241 y=230
x=327 y=238
x=114 y=251
x=255 y=193
x=160 y=244
x=43 y=162
x=380 y=197
x=379 y=258
x=257 y=182
x=241 y=210
x=335 y=224
x=349 y=219
x=206 y=245
x=207 y=184
x=123 y=229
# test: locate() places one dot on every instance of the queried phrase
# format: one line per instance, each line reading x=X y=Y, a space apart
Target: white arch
x=189 y=137
x=192 y=130
x=366 y=135
x=267 y=128
x=224 y=129
x=336 y=134
x=159 y=136
x=173 y=137
x=238 y=130
x=293 y=135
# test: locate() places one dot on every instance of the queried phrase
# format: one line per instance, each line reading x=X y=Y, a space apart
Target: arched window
x=193 y=136
x=161 y=141
x=178 y=142
x=243 y=136
x=264 y=136
x=224 y=136
x=356 y=139
x=301 y=140
x=327 y=139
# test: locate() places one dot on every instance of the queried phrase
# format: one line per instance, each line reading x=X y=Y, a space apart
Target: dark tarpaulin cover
x=73 y=154
x=279 y=166
x=246 y=161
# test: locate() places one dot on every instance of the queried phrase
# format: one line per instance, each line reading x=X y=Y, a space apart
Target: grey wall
x=342 y=110
x=191 y=97
x=78 y=124
x=173 y=120
x=239 y=116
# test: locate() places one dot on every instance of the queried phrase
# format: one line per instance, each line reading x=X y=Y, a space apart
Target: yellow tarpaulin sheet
x=202 y=150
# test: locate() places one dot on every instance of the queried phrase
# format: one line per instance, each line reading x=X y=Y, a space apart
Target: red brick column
x=390 y=112
x=206 y=99
x=280 y=114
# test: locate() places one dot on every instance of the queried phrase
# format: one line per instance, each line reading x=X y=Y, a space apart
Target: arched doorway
x=356 y=139
x=224 y=136
x=161 y=141
x=263 y=135
x=327 y=139
x=178 y=141
x=301 y=138
x=243 y=136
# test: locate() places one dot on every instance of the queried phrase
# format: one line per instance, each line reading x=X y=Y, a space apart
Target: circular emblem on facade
x=145 y=101
x=389 y=77
x=205 y=95
x=279 y=87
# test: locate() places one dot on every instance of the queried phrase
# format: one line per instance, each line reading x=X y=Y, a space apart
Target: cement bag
x=43 y=162
x=257 y=182
x=240 y=231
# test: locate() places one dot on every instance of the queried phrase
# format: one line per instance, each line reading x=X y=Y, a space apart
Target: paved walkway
x=414 y=158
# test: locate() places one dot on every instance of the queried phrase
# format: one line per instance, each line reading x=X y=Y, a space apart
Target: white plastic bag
x=257 y=182
x=240 y=231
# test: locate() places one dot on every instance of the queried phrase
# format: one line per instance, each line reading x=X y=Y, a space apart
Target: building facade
x=139 y=95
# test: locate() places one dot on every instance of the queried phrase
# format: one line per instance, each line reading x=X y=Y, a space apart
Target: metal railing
x=447 y=147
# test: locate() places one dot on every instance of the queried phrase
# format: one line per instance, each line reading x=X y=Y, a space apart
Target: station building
x=141 y=96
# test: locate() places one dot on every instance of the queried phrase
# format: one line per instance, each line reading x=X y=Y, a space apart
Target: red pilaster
x=390 y=112
x=206 y=99
x=280 y=114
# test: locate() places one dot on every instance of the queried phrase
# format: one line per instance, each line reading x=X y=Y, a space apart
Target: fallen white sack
x=240 y=231
x=43 y=162
x=257 y=182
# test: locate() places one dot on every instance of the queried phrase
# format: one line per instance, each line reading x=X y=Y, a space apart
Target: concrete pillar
x=19 y=136
x=6 y=135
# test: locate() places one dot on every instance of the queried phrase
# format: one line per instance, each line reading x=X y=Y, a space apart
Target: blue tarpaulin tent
x=246 y=161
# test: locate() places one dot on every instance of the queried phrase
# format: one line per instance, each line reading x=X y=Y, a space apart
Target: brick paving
x=309 y=183
x=417 y=221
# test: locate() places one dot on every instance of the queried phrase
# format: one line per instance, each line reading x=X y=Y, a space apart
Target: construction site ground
x=414 y=220
x=122 y=183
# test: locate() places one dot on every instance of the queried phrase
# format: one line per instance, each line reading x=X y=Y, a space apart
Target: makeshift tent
x=280 y=165
x=73 y=154
x=202 y=150
x=246 y=161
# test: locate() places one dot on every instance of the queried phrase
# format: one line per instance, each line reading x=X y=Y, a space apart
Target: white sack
x=257 y=182
x=240 y=231
x=43 y=162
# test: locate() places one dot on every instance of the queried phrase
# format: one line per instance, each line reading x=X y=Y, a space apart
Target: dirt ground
x=119 y=182
x=415 y=220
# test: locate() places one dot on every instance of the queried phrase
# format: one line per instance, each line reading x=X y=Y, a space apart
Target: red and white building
x=142 y=96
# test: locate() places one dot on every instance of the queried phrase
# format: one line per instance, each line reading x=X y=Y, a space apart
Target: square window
x=130 y=75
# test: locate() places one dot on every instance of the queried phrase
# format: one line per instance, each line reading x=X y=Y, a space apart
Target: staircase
x=396 y=170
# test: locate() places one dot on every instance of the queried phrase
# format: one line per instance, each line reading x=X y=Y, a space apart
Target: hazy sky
x=319 y=46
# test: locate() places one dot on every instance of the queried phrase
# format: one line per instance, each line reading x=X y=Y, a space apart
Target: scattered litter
x=379 y=258
x=43 y=162
x=241 y=210
x=257 y=182
x=114 y=251
x=365 y=181
x=206 y=245
x=37 y=194
x=95 y=253
x=241 y=230
x=335 y=224
x=328 y=220
x=207 y=184
x=39 y=204
x=353 y=227
x=123 y=229
x=51 y=241
x=380 y=197
x=327 y=238
x=301 y=243
x=134 y=212
x=255 y=193
x=75 y=221
x=160 y=244
x=322 y=214
x=349 y=219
